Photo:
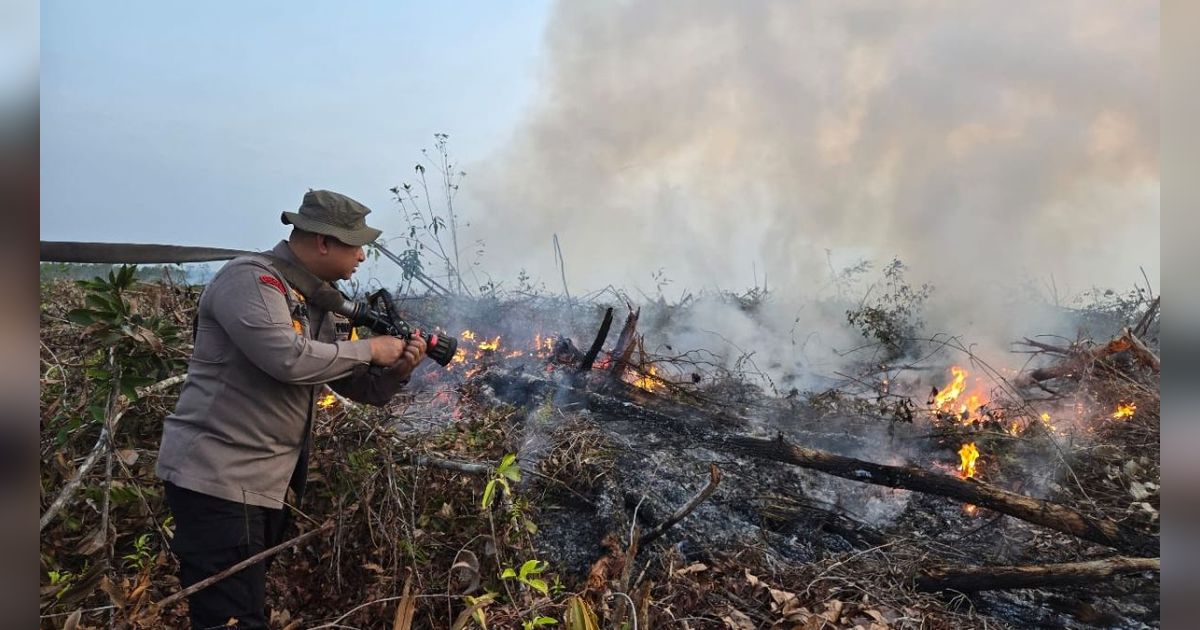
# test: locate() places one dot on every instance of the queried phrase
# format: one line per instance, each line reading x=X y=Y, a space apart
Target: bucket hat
x=333 y=214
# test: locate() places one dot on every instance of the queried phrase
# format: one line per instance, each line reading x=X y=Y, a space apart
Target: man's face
x=341 y=259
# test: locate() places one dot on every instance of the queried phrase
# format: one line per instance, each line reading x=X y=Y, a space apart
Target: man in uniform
x=234 y=453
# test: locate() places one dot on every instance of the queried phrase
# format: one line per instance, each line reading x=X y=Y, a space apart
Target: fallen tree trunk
x=967 y=579
x=1052 y=515
x=1080 y=362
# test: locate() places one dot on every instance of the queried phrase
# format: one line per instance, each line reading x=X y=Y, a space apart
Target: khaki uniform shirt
x=244 y=412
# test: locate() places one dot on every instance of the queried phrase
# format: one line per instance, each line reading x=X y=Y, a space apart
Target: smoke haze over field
x=982 y=143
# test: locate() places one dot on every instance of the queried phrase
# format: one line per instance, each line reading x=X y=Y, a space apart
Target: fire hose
x=378 y=313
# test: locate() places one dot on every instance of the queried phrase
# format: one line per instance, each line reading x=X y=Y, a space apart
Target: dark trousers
x=212 y=535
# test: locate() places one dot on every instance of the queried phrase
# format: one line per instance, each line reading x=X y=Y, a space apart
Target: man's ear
x=321 y=243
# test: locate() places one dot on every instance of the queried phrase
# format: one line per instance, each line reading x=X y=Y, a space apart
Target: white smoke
x=984 y=143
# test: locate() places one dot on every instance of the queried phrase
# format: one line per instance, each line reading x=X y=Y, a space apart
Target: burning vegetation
x=551 y=471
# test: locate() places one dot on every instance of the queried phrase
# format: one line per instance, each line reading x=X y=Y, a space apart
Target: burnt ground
x=776 y=546
x=647 y=454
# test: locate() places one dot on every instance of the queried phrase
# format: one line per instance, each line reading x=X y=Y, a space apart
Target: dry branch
x=967 y=579
x=1052 y=515
x=1143 y=325
x=1143 y=353
x=1079 y=362
x=258 y=557
x=470 y=468
x=682 y=512
x=99 y=449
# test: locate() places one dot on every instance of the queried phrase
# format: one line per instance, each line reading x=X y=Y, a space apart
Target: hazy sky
x=715 y=140
x=197 y=123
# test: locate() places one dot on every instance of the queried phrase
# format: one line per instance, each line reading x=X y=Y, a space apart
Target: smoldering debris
x=763 y=497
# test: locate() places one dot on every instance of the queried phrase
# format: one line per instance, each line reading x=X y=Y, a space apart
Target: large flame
x=951 y=392
x=967 y=454
x=949 y=400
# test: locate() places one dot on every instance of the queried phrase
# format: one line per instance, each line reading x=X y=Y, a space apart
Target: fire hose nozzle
x=440 y=348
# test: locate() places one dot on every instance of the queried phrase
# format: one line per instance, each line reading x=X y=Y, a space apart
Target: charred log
x=623 y=351
x=601 y=335
x=968 y=579
x=1052 y=515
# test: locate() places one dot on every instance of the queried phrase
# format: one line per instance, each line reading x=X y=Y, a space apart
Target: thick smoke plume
x=984 y=143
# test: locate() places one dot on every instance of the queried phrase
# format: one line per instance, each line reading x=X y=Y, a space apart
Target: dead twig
x=110 y=426
x=687 y=508
x=258 y=557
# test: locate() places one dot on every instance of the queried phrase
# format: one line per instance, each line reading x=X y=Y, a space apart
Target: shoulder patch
x=273 y=281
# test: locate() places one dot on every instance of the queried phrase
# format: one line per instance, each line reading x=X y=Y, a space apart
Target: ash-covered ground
x=640 y=455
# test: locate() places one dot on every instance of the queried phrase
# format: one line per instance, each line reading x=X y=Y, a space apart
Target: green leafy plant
x=538 y=622
x=62 y=581
x=528 y=575
x=507 y=470
x=142 y=555
x=140 y=343
x=894 y=317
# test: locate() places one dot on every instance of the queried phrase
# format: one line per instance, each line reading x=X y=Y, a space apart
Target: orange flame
x=543 y=346
x=1124 y=411
x=490 y=345
x=327 y=401
x=648 y=381
x=968 y=454
x=951 y=392
x=949 y=400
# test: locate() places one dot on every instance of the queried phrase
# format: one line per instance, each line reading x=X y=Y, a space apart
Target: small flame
x=970 y=509
x=1124 y=411
x=648 y=381
x=490 y=345
x=968 y=454
x=544 y=346
x=1046 y=421
x=327 y=401
x=467 y=335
